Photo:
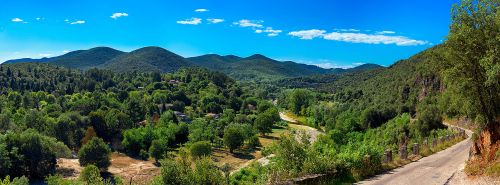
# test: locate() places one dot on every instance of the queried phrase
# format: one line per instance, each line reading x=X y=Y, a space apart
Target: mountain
x=80 y=59
x=155 y=59
x=263 y=68
x=148 y=59
x=25 y=60
x=85 y=59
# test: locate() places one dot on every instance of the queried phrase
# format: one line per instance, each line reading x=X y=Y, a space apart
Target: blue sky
x=328 y=33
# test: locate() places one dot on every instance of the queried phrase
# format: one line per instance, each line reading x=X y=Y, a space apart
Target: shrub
x=91 y=175
x=200 y=149
x=95 y=152
x=253 y=142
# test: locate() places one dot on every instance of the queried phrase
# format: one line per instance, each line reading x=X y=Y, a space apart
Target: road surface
x=438 y=168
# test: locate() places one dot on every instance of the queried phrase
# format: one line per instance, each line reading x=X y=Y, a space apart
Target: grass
x=480 y=167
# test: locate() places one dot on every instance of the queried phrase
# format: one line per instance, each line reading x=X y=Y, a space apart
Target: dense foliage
x=46 y=109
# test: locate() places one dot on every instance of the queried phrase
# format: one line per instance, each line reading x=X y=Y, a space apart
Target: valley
x=358 y=104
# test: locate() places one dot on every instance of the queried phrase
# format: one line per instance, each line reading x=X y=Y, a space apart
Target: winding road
x=438 y=168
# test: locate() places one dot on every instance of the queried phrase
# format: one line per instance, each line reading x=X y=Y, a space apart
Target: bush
x=253 y=142
x=91 y=175
x=200 y=149
x=180 y=172
x=95 y=152
x=16 y=181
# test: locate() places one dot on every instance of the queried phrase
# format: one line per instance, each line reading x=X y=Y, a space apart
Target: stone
x=403 y=153
x=388 y=156
x=416 y=148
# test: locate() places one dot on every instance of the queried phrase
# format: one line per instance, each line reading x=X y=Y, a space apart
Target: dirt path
x=312 y=132
x=438 y=168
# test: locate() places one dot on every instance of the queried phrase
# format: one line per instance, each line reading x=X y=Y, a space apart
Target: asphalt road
x=438 y=168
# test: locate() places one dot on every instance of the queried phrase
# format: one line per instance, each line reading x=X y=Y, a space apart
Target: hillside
x=402 y=85
x=148 y=59
x=155 y=59
x=263 y=68
x=85 y=59
x=80 y=59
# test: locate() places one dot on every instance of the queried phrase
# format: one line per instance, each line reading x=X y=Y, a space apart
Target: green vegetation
x=95 y=152
x=181 y=119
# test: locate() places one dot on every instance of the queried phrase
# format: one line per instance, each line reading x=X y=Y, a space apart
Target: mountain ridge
x=157 y=59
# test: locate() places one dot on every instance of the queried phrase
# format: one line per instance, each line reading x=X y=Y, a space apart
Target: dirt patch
x=137 y=171
x=130 y=169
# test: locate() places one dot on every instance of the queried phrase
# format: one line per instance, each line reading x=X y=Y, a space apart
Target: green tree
x=200 y=149
x=158 y=149
x=91 y=175
x=472 y=67
x=30 y=154
x=95 y=152
x=265 y=121
x=233 y=137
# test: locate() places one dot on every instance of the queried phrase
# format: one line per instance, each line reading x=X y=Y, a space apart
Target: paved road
x=438 y=168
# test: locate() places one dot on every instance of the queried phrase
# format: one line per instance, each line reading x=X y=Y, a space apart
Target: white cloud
x=270 y=31
x=215 y=21
x=357 y=37
x=348 y=30
x=372 y=39
x=385 y=32
x=201 y=10
x=249 y=23
x=307 y=34
x=333 y=66
x=17 y=20
x=118 y=15
x=192 y=21
x=38 y=18
x=44 y=55
x=65 y=51
x=66 y=20
x=78 y=22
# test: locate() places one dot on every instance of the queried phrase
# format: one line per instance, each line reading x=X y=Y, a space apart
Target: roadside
x=438 y=168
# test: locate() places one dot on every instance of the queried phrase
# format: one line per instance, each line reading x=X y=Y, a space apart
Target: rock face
x=487 y=144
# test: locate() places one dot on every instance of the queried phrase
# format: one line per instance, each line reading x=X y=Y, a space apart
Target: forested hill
x=154 y=59
x=401 y=86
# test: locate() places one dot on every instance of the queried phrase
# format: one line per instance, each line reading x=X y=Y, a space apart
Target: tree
x=472 y=67
x=95 y=152
x=91 y=175
x=265 y=121
x=298 y=100
x=233 y=138
x=89 y=134
x=30 y=154
x=200 y=149
x=158 y=149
